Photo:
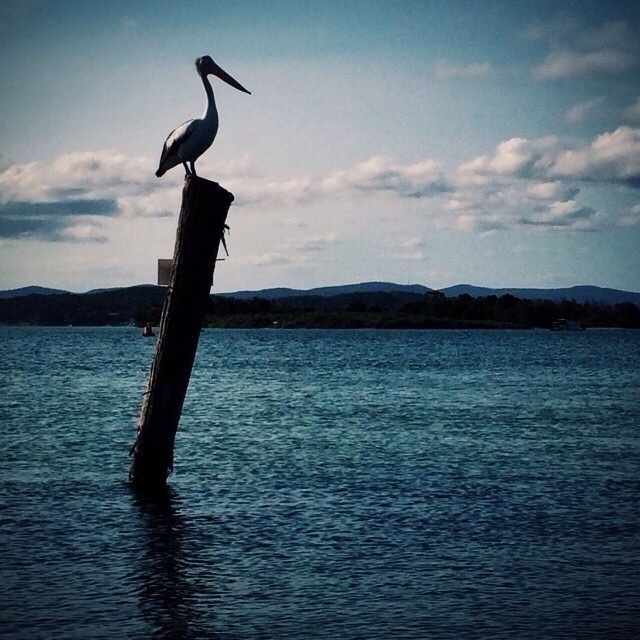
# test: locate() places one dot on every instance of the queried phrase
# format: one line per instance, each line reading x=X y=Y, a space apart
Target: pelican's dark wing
x=175 y=139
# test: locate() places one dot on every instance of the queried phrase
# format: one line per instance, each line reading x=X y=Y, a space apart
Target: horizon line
x=331 y=286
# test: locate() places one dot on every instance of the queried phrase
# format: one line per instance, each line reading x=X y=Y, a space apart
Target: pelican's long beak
x=223 y=75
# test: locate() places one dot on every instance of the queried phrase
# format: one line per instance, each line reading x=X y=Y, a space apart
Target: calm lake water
x=328 y=484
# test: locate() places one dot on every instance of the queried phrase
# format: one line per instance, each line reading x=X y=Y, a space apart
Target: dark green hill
x=581 y=293
x=111 y=307
x=351 y=309
x=362 y=287
x=27 y=291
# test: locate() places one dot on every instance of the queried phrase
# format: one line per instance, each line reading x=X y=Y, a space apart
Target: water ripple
x=328 y=484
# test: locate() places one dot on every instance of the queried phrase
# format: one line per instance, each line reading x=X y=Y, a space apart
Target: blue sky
x=494 y=143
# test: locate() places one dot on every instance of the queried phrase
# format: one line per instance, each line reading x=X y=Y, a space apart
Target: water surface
x=328 y=484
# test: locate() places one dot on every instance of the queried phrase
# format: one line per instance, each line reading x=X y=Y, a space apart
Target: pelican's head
x=205 y=66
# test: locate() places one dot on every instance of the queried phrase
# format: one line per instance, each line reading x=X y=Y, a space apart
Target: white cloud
x=313 y=244
x=517 y=157
x=59 y=200
x=631 y=216
x=411 y=249
x=83 y=232
x=160 y=203
x=572 y=64
x=52 y=220
x=611 y=157
x=91 y=174
x=523 y=182
x=563 y=213
x=271 y=259
x=420 y=179
x=632 y=112
x=581 y=111
x=537 y=182
x=45 y=199
x=610 y=49
x=295 y=252
x=511 y=202
x=552 y=190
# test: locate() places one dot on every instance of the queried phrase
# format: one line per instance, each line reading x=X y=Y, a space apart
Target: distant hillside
x=384 y=300
x=362 y=287
x=29 y=291
x=352 y=307
x=584 y=293
x=406 y=310
x=109 y=307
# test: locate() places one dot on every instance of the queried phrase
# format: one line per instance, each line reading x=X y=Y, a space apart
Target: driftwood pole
x=204 y=210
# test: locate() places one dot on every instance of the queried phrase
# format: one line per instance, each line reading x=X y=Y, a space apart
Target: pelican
x=186 y=143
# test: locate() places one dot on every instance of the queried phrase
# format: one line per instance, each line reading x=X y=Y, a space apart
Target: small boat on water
x=567 y=325
x=147 y=331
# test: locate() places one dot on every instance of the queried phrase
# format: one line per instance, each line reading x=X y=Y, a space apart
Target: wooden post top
x=207 y=188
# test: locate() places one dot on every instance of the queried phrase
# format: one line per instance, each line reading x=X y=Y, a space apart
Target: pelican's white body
x=194 y=137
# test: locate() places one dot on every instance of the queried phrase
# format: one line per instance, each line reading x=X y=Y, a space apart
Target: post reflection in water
x=167 y=594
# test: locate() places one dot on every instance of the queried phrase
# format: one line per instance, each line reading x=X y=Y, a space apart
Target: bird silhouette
x=186 y=143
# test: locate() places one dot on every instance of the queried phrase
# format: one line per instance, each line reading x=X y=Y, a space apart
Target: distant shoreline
x=368 y=309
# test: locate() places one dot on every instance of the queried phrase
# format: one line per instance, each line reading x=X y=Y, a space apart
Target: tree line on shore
x=430 y=310
x=139 y=305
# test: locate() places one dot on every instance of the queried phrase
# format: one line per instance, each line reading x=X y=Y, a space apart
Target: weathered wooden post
x=205 y=205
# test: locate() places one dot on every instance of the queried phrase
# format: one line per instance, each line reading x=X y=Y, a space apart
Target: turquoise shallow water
x=328 y=484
